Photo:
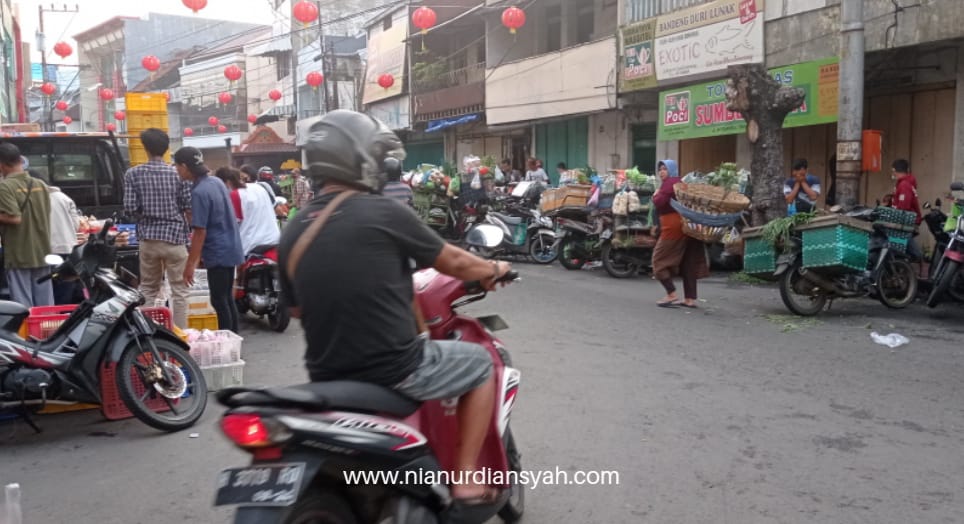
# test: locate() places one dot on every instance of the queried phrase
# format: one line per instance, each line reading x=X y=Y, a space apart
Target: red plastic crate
x=44 y=320
x=112 y=406
x=161 y=315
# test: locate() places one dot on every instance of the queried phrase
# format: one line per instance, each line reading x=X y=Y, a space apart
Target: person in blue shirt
x=215 y=239
x=802 y=189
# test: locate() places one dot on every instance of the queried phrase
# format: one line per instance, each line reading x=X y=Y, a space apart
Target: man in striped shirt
x=161 y=202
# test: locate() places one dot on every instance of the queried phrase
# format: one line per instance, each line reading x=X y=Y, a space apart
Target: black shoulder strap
x=26 y=201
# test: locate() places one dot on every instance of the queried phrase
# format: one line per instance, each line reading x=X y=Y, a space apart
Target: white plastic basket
x=227 y=350
x=224 y=376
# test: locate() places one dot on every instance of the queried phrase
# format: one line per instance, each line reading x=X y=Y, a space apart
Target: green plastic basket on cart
x=836 y=244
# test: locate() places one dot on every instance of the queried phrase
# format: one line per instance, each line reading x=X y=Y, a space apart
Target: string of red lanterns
x=386 y=81
x=110 y=127
x=305 y=12
x=275 y=95
x=252 y=118
x=68 y=120
x=119 y=115
x=513 y=18
x=61 y=105
x=225 y=98
x=48 y=89
x=233 y=73
x=424 y=18
x=222 y=129
x=106 y=94
x=151 y=63
x=213 y=120
x=188 y=131
x=314 y=79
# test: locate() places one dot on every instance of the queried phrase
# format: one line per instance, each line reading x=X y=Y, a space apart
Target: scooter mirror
x=53 y=260
x=485 y=236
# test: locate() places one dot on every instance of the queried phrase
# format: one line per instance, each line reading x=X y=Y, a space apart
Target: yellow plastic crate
x=138 y=121
x=200 y=322
x=151 y=102
x=138 y=154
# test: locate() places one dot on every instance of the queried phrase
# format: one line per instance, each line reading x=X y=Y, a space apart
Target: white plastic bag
x=476 y=181
x=893 y=340
x=621 y=204
x=634 y=205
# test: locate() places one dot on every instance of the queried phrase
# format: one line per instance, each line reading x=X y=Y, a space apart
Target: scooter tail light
x=250 y=431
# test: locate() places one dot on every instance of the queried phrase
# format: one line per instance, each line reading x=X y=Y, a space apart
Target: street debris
x=792 y=323
x=893 y=340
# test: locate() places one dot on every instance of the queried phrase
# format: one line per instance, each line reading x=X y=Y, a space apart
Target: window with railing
x=637 y=10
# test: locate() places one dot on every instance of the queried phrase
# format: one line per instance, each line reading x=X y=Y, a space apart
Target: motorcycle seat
x=262 y=249
x=13 y=309
x=335 y=395
x=507 y=219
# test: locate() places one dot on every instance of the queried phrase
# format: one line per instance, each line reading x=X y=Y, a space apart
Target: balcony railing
x=432 y=76
x=637 y=10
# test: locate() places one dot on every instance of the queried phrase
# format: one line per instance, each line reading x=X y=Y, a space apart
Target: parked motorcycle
x=529 y=234
x=157 y=379
x=307 y=440
x=580 y=238
x=947 y=274
x=260 y=289
x=630 y=249
x=889 y=275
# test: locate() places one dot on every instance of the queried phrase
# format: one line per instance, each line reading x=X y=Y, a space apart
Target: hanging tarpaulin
x=438 y=125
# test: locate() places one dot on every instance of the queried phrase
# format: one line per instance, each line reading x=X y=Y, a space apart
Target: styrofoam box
x=227 y=350
x=199 y=303
x=224 y=376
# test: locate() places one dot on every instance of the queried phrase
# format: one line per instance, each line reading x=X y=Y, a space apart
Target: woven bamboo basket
x=704 y=233
x=711 y=199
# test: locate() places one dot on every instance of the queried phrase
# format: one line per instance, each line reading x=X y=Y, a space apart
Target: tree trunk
x=764 y=104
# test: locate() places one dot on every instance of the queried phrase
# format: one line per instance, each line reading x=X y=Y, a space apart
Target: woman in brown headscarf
x=675 y=253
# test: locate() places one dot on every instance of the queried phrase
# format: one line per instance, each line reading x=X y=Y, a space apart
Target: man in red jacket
x=905 y=198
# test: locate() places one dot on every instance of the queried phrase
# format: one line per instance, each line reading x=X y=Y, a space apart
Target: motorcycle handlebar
x=43 y=279
x=474 y=286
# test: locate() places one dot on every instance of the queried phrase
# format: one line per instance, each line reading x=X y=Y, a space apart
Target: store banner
x=386 y=54
x=700 y=110
x=638 y=69
x=709 y=37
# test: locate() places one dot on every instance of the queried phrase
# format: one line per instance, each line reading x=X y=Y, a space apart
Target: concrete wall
x=609 y=141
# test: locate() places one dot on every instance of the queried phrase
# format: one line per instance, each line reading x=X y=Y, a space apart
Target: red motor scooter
x=260 y=288
x=353 y=452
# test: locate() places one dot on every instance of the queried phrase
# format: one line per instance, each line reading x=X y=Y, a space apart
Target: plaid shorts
x=449 y=369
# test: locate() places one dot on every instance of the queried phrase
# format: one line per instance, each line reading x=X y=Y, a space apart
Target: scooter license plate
x=260 y=485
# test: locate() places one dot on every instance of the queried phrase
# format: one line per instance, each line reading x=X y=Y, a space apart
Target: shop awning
x=438 y=125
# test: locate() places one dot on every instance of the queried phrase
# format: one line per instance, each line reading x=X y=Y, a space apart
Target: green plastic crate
x=896 y=216
x=759 y=257
x=836 y=247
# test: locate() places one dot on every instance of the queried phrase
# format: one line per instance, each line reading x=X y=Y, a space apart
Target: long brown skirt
x=679 y=257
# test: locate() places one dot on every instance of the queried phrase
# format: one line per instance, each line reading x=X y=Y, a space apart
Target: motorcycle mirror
x=53 y=260
x=957 y=186
x=485 y=236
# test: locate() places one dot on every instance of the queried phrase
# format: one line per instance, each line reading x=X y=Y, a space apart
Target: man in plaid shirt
x=161 y=202
x=301 y=190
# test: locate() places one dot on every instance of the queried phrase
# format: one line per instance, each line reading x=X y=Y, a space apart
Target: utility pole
x=850 y=121
x=48 y=114
x=336 y=104
x=324 y=98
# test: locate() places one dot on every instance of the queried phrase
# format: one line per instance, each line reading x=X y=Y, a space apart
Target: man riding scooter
x=346 y=272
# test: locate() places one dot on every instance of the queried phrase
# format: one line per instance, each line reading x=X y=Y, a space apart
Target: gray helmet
x=351 y=147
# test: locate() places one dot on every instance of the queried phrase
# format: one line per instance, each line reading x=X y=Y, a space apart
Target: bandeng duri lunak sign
x=699 y=110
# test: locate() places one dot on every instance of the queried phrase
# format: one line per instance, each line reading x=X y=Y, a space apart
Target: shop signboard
x=637 y=71
x=386 y=55
x=708 y=37
x=700 y=110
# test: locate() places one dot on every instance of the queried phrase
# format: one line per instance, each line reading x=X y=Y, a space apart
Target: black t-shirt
x=354 y=287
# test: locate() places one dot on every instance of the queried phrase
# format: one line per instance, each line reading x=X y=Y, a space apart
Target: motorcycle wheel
x=516 y=505
x=242 y=306
x=320 y=507
x=565 y=256
x=944 y=278
x=896 y=284
x=956 y=291
x=615 y=268
x=540 y=248
x=798 y=304
x=280 y=319
x=158 y=403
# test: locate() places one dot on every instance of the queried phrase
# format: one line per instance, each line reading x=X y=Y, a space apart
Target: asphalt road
x=733 y=413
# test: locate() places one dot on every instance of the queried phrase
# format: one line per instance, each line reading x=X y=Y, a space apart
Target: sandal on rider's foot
x=489 y=496
x=669 y=304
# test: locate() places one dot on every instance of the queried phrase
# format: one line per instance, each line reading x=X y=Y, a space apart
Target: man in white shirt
x=535 y=172
x=64 y=221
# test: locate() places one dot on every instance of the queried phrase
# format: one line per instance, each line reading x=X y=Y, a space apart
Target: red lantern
x=305 y=12
x=110 y=127
x=274 y=94
x=63 y=49
x=222 y=129
x=61 y=105
x=48 y=88
x=225 y=98
x=513 y=18
x=386 y=80
x=106 y=94
x=252 y=118
x=195 y=5
x=213 y=120
x=424 y=18
x=233 y=73
x=119 y=115
x=188 y=131
x=151 y=63
x=68 y=120
x=315 y=79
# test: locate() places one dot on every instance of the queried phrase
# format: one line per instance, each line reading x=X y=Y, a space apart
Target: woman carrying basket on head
x=675 y=254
